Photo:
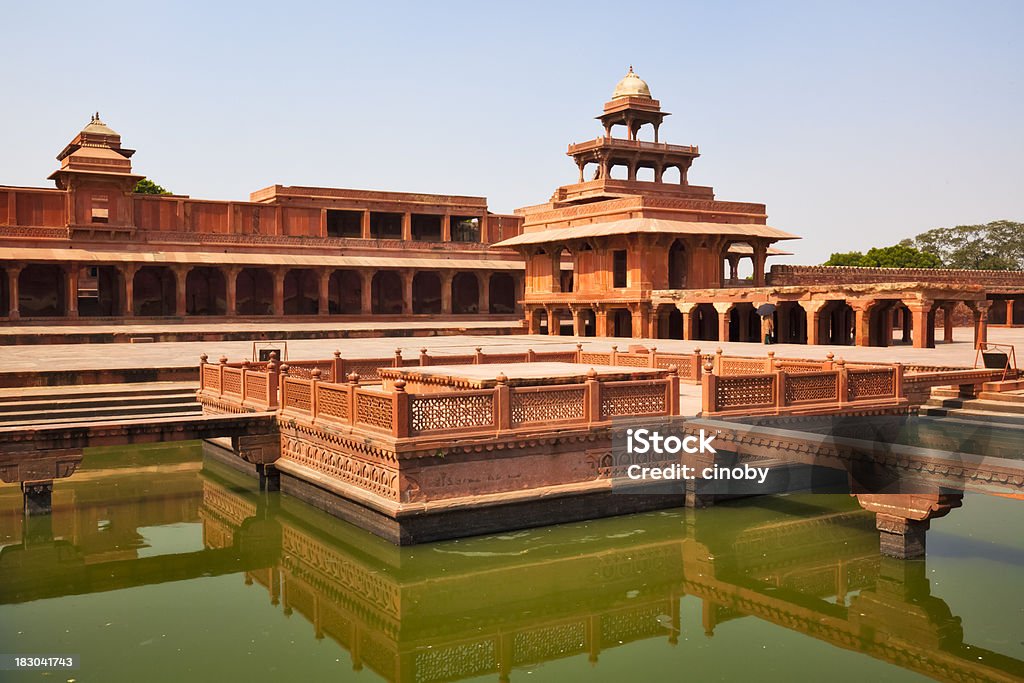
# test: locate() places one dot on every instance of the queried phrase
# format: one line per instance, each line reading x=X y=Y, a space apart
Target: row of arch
x=878 y=322
x=53 y=290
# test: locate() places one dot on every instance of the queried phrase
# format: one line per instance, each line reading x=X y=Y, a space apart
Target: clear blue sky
x=857 y=123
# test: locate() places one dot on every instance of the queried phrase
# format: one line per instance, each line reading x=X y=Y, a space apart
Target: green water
x=158 y=566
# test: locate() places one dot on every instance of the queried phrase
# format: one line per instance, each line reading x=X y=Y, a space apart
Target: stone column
x=484 y=280
x=600 y=321
x=813 y=309
x=366 y=305
x=180 y=303
x=919 y=314
x=231 y=290
x=323 y=300
x=686 y=310
x=980 y=322
x=760 y=257
x=1009 y=312
x=734 y=268
x=947 y=322
x=862 y=322
x=365 y=227
x=407 y=226
x=279 y=274
x=73 y=270
x=554 y=323
x=723 y=320
x=128 y=281
x=13 y=273
x=446 y=228
x=446 y=291
x=407 y=278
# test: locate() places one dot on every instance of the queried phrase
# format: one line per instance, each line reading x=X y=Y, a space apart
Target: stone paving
x=181 y=354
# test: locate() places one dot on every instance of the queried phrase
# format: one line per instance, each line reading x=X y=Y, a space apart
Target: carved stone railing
x=782 y=392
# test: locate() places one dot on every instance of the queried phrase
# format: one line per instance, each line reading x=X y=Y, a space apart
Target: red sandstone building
x=91 y=248
x=632 y=249
x=630 y=256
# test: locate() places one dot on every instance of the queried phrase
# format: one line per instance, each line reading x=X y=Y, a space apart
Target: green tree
x=998 y=245
x=147 y=186
x=900 y=256
x=849 y=258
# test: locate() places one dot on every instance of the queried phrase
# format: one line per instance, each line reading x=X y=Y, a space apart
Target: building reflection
x=491 y=606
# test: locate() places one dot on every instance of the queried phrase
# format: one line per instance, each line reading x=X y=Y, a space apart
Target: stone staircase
x=78 y=404
x=999 y=407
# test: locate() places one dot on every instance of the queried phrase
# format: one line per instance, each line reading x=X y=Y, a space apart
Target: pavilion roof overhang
x=170 y=258
x=653 y=226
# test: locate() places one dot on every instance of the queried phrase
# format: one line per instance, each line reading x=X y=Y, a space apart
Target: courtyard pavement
x=182 y=354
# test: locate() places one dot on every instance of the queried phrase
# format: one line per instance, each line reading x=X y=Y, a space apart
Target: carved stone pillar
x=323 y=300
x=903 y=518
x=366 y=304
x=980 y=310
x=686 y=310
x=760 y=257
x=128 y=282
x=279 y=274
x=1009 y=312
x=723 y=309
x=407 y=279
x=13 y=273
x=813 y=309
x=862 y=322
x=947 y=322
x=600 y=321
x=231 y=290
x=73 y=271
x=364 y=231
x=180 y=302
x=484 y=278
x=919 y=314
x=447 y=277
x=554 y=322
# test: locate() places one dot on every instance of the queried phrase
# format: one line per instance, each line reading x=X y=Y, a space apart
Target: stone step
x=8 y=395
x=98 y=413
x=973 y=417
x=64 y=403
x=63 y=421
x=1002 y=396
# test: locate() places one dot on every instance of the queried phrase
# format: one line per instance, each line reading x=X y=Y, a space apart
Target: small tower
x=631 y=106
x=97 y=173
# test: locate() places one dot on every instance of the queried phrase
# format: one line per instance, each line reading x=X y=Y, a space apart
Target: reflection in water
x=494 y=607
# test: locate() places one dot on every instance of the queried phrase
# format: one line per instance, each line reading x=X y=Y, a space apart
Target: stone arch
x=538 y=321
x=502 y=293
x=465 y=293
x=744 y=323
x=154 y=290
x=301 y=292
x=835 y=323
x=254 y=292
x=670 y=322
x=205 y=292
x=704 y=323
x=677 y=265
x=620 y=320
x=426 y=292
x=345 y=293
x=386 y=293
x=100 y=291
x=41 y=290
x=587 y=323
x=790 y=323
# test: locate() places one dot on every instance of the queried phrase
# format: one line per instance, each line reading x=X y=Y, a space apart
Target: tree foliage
x=896 y=256
x=147 y=186
x=998 y=245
